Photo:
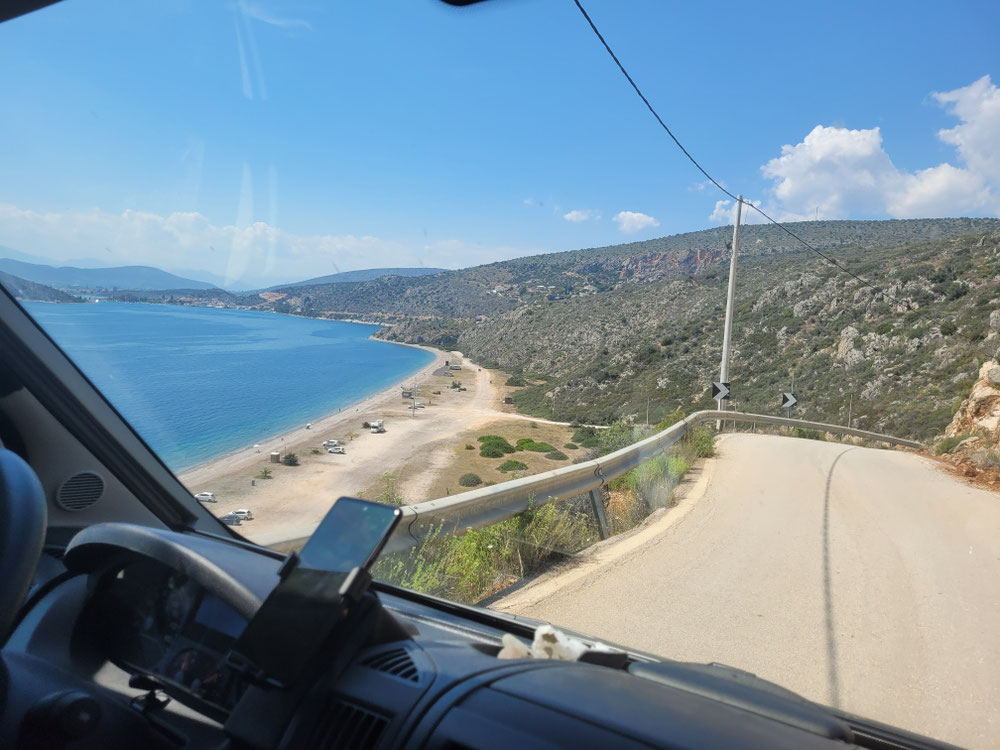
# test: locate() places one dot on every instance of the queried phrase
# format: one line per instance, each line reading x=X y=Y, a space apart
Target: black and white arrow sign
x=720 y=391
x=788 y=400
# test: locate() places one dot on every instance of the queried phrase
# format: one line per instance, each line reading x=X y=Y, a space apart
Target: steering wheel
x=22 y=532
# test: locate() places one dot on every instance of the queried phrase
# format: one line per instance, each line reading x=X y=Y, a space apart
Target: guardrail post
x=602 y=519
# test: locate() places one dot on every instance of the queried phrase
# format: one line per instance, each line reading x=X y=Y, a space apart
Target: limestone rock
x=980 y=412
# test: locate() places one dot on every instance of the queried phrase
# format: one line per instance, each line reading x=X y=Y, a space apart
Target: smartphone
x=298 y=616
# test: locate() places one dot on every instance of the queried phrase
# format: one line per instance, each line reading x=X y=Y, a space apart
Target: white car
x=419 y=405
x=243 y=514
x=336 y=449
x=205 y=497
x=331 y=443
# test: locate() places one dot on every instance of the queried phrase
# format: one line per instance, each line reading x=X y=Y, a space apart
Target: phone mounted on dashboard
x=319 y=597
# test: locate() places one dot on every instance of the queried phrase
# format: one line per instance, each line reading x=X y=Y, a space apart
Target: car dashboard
x=159 y=623
x=142 y=620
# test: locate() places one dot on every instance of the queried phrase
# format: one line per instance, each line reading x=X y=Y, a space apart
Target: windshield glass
x=409 y=252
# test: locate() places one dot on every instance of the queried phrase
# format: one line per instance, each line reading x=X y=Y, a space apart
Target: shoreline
x=207 y=471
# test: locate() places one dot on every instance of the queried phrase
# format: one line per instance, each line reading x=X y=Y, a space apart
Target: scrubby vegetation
x=484 y=561
x=512 y=465
x=516 y=381
x=527 y=444
x=470 y=480
x=290 y=459
x=949 y=443
x=494 y=446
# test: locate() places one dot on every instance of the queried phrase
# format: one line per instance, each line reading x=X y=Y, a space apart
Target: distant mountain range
x=90 y=275
x=144 y=278
x=369 y=274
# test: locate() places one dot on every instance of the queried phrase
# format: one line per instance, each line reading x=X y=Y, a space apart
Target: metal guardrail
x=489 y=505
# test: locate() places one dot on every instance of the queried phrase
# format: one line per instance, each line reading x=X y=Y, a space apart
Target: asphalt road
x=859 y=578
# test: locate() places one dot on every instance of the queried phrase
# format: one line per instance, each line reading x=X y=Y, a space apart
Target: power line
x=782 y=227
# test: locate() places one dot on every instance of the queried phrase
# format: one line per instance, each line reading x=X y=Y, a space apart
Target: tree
x=290 y=459
x=264 y=474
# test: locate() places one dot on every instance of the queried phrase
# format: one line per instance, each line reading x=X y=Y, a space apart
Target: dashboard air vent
x=396 y=662
x=80 y=491
x=347 y=726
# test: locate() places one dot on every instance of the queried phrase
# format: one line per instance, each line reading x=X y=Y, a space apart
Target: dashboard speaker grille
x=347 y=726
x=80 y=491
x=396 y=662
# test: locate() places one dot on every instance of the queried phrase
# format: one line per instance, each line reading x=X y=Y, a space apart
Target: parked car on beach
x=243 y=514
x=231 y=519
x=205 y=497
x=336 y=449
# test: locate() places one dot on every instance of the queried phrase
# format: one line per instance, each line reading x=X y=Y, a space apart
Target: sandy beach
x=295 y=499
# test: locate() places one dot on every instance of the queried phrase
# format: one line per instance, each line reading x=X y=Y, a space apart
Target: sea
x=198 y=383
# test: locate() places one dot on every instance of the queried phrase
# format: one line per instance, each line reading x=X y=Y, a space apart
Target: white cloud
x=249 y=255
x=725 y=213
x=578 y=215
x=837 y=172
x=632 y=221
x=977 y=137
x=262 y=14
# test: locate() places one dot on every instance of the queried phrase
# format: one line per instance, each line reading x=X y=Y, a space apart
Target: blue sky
x=273 y=141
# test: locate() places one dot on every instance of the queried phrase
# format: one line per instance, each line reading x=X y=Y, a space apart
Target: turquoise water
x=197 y=383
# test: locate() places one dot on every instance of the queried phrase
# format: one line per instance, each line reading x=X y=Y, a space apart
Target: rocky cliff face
x=979 y=414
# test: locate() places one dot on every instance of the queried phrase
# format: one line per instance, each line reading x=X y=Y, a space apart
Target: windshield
x=409 y=252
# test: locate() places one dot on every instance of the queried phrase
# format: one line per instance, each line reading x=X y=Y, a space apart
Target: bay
x=197 y=383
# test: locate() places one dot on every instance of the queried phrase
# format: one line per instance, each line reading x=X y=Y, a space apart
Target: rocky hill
x=435 y=308
x=601 y=332
x=31 y=292
x=900 y=360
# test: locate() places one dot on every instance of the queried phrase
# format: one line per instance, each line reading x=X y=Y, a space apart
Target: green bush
x=470 y=480
x=512 y=465
x=556 y=455
x=527 y=444
x=470 y=447
x=316 y=451
x=516 y=381
x=498 y=441
x=290 y=459
x=490 y=450
x=571 y=446
x=387 y=493
x=703 y=441
x=802 y=432
x=472 y=566
x=583 y=434
x=264 y=474
x=948 y=444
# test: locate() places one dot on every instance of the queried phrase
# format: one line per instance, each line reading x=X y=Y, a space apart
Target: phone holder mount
x=349 y=595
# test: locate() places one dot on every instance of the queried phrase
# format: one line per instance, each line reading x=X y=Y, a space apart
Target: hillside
x=434 y=309
x=98 y=279
x=32 y=292
x=598 y=332
x=367 y=274
x=907 y=359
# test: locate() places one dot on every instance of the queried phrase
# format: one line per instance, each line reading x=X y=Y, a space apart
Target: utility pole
x=850 y=408
x=727 y=331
